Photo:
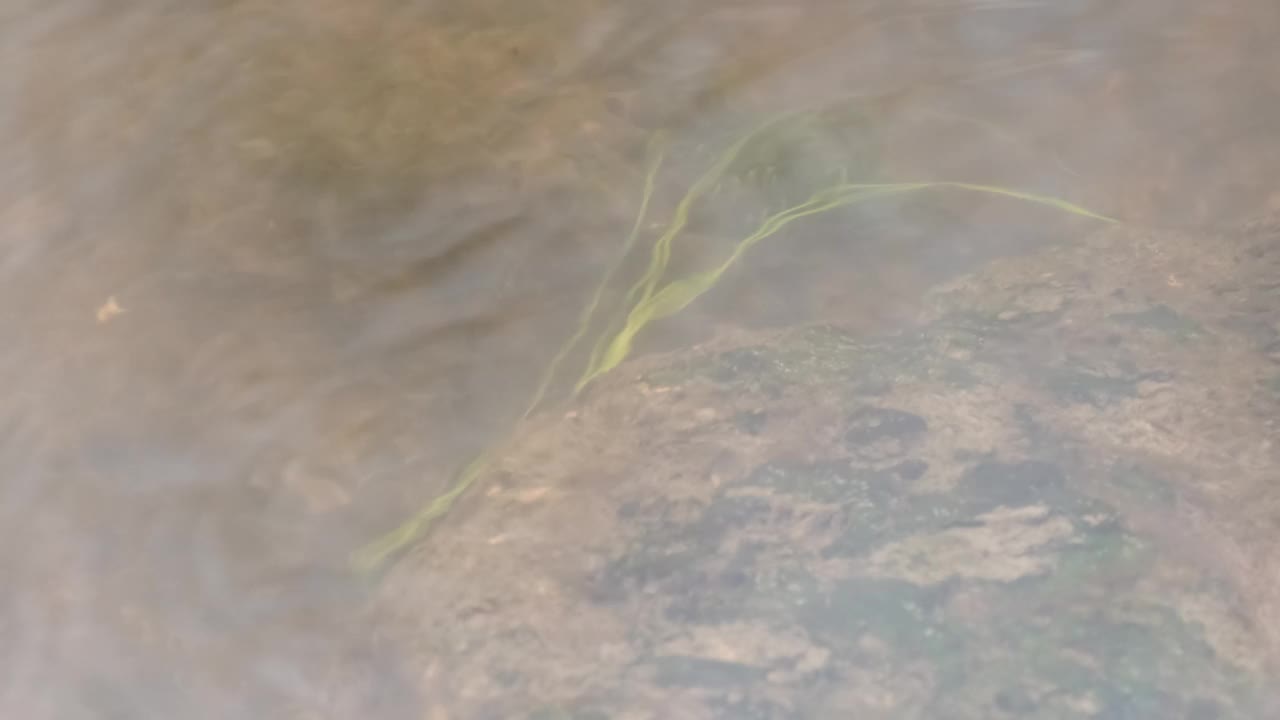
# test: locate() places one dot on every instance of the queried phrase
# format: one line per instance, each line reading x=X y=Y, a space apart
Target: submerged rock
x=1049 y=499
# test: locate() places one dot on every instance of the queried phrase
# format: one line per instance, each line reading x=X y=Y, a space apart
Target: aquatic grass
x=707 y=183
x=656 y=152
x=373 y=556
x=678 y=294
x=649 y=299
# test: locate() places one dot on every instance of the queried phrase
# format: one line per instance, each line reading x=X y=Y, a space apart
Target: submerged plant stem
x=374 y=555
x=657 y=150
x=678 y=294
x=649 y=300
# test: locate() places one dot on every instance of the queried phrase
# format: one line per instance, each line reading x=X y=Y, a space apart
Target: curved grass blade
x=677 y=295
x=374 y=555
x=656 y=153
x=650 y=301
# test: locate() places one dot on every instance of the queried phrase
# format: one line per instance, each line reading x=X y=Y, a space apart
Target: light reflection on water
x=342 y=242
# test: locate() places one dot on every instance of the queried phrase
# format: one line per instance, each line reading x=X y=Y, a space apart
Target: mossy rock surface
x=1047 y=499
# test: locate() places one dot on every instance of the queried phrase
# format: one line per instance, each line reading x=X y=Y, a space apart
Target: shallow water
x=273 y=271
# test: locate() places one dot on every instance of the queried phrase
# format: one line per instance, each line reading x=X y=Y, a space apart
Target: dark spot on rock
x=682 y=671
x=959 y=376
x=707 y=602
x=1143 y=483
x=727 y=514
x=1204 y=709
x=666 y=513
x=508 y=679
x=1161 y=318
x=911 y=470
x=615 y=106
x=991 y=484
x=1274 y=385
x=831 y=481
x=877 y=433
x=1085 y=387
x=872 y=387
x=752 y=709
x=659 y=561
x=897 y=613
x=1036 y=433
x=729 y=587
x=751 y=422
x=1272 y=351
x=965 y=455
x=871 y=423
x=733 y=364
x=1015 y=702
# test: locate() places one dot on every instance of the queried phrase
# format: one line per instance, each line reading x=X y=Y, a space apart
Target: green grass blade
x=656 y=153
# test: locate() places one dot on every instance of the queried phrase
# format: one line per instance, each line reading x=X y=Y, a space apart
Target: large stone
x=1052 y=498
